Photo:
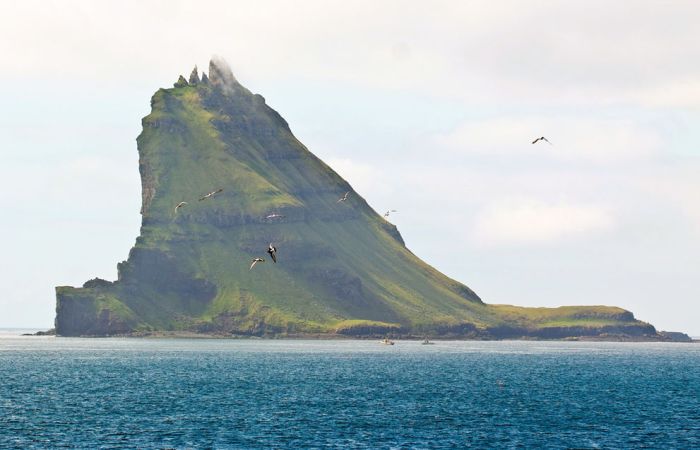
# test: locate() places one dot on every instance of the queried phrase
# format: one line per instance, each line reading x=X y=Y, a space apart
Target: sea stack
x=342 y=268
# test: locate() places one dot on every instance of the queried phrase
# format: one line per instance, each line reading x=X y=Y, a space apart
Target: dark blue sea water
x=162 y=393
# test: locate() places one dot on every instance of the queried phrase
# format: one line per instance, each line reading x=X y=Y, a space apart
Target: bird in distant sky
x=273 y=216
x=344 y=197
x=211 y=194
x=179 y=205
x=541 y=139
x=272 y=250
x=386 y=214
x=255 y=261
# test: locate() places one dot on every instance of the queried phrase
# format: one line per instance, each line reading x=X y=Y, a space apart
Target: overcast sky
x=425 y=107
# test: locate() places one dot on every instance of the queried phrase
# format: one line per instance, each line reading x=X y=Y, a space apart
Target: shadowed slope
x=342 y=268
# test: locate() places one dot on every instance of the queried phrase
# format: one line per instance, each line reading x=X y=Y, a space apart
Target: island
x=224 y=179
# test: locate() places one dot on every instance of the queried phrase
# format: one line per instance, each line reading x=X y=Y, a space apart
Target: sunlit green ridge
x=343 y=269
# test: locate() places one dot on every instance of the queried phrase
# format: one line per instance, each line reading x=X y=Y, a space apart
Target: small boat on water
x=386 y=341
x=426 y=342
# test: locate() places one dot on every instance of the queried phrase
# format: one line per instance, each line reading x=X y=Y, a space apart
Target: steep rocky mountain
x=342 y=268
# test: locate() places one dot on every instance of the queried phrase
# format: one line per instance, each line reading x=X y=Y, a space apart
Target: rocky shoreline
x=662 y=336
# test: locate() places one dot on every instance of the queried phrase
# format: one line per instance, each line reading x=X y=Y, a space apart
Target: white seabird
x=255 y=261
x=179 y=205
x=211 y=194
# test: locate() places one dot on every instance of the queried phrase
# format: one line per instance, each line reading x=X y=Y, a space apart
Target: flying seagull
x=273 y=216
x=211 y=194
x=386 y=214
x=272 y=250
x=255 y=261
x=179 y=205
x=344 y=197
x=541 y=139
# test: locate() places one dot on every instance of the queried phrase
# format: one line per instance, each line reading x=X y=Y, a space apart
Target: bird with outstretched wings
x=179 y=205
x=542 y=138
x=211 y=194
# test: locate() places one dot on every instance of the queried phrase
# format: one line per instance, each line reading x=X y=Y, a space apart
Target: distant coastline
x=22 y=331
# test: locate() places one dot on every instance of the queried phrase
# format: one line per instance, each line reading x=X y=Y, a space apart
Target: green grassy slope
x=342 y=267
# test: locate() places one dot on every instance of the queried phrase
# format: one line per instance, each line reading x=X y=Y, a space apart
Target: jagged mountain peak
x=220 y=74
x=194 y=76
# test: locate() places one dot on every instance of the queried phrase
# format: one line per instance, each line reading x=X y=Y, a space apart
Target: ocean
x=205 y=393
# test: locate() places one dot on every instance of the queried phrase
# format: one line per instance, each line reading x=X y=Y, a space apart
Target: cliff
x=342 y=268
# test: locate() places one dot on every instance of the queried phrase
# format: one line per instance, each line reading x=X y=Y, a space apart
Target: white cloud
x=588 y=51
x=678 y=186
x=573 y=138
x=85 y=186
x=673 y=93
x=364 y=178
x=527 y=221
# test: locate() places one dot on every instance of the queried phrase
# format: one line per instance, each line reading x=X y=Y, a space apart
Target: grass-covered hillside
x=342 y=268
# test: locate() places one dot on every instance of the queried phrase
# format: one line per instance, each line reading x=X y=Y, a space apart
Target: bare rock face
x=194 y=76
x=220 y=74
x=181 y=82
x=87 y=312
x=342 y=268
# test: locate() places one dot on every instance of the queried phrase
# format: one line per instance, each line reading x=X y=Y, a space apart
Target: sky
x=428 y=108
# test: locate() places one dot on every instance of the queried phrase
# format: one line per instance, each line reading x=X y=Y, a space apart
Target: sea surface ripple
x=196 y=393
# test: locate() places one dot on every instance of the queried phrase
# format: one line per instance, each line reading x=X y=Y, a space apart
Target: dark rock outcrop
x=194 y=76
